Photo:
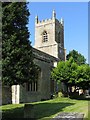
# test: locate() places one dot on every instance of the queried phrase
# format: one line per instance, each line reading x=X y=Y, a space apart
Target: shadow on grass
x=41 y=110
x=13 y=113
x=48 y=109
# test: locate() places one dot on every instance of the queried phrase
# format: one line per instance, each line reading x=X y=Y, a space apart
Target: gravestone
x=69 y=116
x=28 y=111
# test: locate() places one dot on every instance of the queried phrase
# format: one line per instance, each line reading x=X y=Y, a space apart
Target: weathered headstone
x=69 y=116
x=28 y=111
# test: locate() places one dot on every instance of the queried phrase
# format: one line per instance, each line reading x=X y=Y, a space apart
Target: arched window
x=45 y=36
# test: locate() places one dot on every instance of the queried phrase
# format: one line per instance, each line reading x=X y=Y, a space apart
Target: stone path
x=69 y=116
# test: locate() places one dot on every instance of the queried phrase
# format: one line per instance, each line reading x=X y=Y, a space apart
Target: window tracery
x=45 y=36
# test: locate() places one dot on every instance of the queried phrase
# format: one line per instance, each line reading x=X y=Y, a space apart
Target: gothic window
x=32 y=86
x=45 y=36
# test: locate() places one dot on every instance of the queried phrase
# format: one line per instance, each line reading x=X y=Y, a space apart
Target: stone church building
x=48 y=50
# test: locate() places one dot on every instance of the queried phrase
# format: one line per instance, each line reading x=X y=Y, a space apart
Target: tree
x=65 y=72
x=71 y=74
x=17 y=57
x=83 y=76
x=78 y=58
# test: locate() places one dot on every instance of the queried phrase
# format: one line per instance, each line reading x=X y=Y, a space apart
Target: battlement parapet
x=43 y=21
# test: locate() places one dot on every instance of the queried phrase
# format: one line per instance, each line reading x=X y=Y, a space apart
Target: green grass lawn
x=48 y=109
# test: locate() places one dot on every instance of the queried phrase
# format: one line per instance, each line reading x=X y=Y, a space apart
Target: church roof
x=44 y=56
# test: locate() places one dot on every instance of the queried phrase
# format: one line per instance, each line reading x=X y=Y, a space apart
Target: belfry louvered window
x=45 y=36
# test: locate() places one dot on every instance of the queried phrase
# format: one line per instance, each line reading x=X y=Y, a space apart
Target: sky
x=75 y=15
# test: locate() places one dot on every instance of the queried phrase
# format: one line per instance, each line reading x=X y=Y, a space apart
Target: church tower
x=49 y=36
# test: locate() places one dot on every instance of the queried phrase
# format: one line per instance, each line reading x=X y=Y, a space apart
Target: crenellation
x=50 y=19
x=39 y=22
x=44 y=21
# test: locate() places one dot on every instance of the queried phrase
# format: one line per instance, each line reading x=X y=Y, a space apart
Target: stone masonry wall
x=6 y=95
x=27 y=96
